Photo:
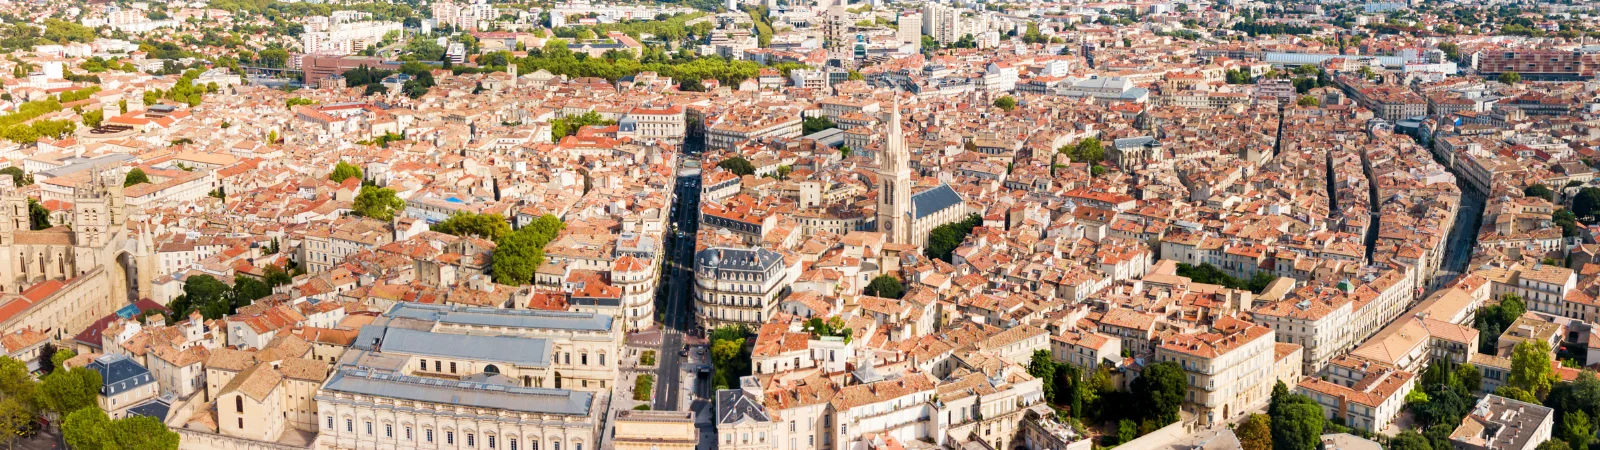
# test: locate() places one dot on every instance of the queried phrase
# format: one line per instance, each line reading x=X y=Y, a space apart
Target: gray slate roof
x=464 y=393
x=931 y=201
x=119 y=374
x=733 y=406
x=522 y=351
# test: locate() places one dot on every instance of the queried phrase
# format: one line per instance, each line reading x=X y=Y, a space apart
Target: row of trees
x=1209 y=274
x=557 y=59
x=215 y=299
x=486 y=226
x=944 y=239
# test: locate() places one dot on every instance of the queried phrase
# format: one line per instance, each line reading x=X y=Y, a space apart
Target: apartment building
x=1501 y=423
x=739 y=286
x=664 y=124
x=1543 y=287
x=1367 y=397
x=1230 y=367
x=735 y=129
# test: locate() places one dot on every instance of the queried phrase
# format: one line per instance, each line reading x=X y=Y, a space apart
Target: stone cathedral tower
x=99 y=239
x=894 y=183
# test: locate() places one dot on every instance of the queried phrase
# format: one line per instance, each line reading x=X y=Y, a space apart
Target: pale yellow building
x=654 y=430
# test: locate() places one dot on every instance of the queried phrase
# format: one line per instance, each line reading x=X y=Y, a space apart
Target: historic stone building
x=63 y=278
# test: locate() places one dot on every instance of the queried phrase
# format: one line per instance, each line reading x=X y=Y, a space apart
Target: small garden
x=642 y=387
x=648 y=358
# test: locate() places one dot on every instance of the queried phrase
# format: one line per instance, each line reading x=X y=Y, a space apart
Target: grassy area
x=642 y=387
x=648 y=358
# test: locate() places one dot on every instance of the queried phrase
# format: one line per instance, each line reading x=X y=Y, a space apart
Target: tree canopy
x=815 y=124
x=38 y=216
x=1088 y=150
x=487 y=226
x=886 y=286
x=1006 y=103
x=1209 y=274
x=91 y=429
x=944 y=239
x=517 y=255
x=1531 y=368
x=65 y=391
x=1255 y=433
x=738 y=165
x=343 y=171
x=567 y=126
x=378 y=203
x=1297 y=420
x=1539 y=190
x=1160 y=391
x=1510 y=77
x=135 y=176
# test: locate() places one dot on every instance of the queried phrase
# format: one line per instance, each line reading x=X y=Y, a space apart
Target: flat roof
x=498 y=317
x=463 y=393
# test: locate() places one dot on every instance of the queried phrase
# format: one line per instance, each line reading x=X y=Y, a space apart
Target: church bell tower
x=894 y=183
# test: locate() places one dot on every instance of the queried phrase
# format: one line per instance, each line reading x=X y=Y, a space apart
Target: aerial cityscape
x=799 y=225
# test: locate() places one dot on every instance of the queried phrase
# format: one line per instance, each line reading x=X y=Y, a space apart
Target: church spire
x=895 y=149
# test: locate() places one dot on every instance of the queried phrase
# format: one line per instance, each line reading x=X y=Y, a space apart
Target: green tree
x=886 y=286
x=343 y=171
x=70 y=390
x=377 y=203
x=1255 y=433
x=1042 y=367
x=487 y=226
x=15 y=414
x=1306 y=100
x=94 y=118
x=815 y=124
x=1553 y=445
x=1297 y=421
x=1579 y=431
x=88 y=429
x=570 y=125
x=1160 y=391
x=247 y=290
x=517 y=255
x=1531 y=368
x=1510 y=77
x=1006 y=103
x=738 y=165
x=135 y=176
x=944 y=239
x=38 y=217
x=1410 y=440
x=1516 y=393
x=1088 y=150
x=58 y=361
x=1126 y=431
x=1539 y=190
x=18 y=177
x=1470 y=378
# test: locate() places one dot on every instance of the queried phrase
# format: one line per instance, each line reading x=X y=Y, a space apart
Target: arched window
x=238 y=404
x=491 y=369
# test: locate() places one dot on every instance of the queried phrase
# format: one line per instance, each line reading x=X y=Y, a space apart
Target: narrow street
x=1463 y=235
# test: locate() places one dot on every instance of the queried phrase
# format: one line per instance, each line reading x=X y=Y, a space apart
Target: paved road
x=1463 y=235
x=677 y=308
